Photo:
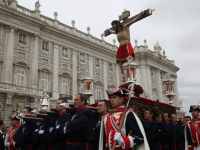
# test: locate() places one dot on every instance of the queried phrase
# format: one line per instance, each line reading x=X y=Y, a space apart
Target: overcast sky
x=174 y=23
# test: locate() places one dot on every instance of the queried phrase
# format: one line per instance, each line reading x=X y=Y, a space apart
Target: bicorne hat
x=117 y=91
x=194 y=107
x=14 y=117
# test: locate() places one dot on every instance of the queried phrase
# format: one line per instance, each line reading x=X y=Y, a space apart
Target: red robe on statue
x=124 y=51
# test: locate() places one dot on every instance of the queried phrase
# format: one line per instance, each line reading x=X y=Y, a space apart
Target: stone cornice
x=155 y=61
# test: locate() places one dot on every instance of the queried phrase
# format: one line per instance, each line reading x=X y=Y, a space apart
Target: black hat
x=117 y=91
x=194 y=107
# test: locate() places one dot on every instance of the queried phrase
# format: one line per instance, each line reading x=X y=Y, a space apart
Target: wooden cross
x=125 y=17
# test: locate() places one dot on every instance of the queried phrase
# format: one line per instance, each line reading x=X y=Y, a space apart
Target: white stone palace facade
x=38 y=52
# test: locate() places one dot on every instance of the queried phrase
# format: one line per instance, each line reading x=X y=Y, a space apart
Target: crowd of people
x=82 y=129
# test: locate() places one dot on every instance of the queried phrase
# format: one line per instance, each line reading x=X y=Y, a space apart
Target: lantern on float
x=88 y=84
x=131 y=69
x=169 y=87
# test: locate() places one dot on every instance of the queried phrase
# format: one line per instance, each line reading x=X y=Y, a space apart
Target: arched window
x=65 y=86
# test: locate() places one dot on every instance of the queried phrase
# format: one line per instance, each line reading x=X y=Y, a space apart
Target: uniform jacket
x=10 y=139
x=132 y=130
x=79 y=130
x=192 y=134
x=163 y=135
x=1 y=141
x=23 y=137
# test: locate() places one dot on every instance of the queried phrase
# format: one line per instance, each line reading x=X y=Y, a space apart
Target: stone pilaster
x=159 y=85
x=34 y=62
x=176 y=98
x=74 y=73
x=117 y=76
x=144 y=79
x=8 y=56
x=149 y=82
x=55 y=71
x=91 y=75
x=105 y=79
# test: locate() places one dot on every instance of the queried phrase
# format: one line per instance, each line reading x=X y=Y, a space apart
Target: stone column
x=91 y=75
x=105 y=78
x=117 y=76
x=149 y=82
x=176 y=98
x=159 y=85
x=55 y=71
x=74 y=73
x=8 y=57
x=34 y=63
x=144 y=78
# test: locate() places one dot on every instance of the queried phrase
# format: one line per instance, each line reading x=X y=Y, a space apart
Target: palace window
x=45 y=46
x=20 y=77
x=44 y=82
x=97 y=64
x=151 y=71
x=22 y=39
x=98 y=93
x=110 y=67
x=65 y=52
x=82 y=58
x=64 y=86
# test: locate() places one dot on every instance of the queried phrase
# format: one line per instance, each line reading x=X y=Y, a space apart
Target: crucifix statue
x=123 y=35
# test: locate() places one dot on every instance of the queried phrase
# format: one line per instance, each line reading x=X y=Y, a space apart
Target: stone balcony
x=19 y=90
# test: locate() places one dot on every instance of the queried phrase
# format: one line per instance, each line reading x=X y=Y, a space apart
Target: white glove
x=41 y=132
x=119 y=138
x=7 y=144
x=50 y=129
x=64 y=129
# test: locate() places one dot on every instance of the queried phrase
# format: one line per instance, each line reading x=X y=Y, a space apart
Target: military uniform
x=163 y=135
x=55 y=137
x=180 y=139
x=12 y=132
x=96 y=129
x=154 y=141
x=23 y=137
x=192 y=133
x=78 y=131
x=172 y=136
x=132 y=132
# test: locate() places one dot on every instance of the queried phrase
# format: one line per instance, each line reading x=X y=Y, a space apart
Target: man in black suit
x=2 y=129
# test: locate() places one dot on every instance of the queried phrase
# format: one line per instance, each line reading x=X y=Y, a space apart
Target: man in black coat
x=180 y=139
x=102 y=110
x=2 y=129
x=145 y=124
x=23 y=138
x=163 y=130
x=56 y=138
x=172 y=132
x=79 y=130
x=154 y=141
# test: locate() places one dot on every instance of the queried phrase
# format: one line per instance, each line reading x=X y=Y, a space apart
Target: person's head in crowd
x=80 y=100
x=2 y=126
x=195 y=110
x=27 y=110
x=59 y=107
x=116 y=96
x=14 y=120
x=134 y=108
x=173 y=118
x=181 y=119
x=166 y=117
x=187 y=118
x=102 y=107
x=148 y=114
x=159 y=116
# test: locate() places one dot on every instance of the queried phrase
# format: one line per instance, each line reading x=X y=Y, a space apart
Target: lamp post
x=88 y=84
x=169 y=87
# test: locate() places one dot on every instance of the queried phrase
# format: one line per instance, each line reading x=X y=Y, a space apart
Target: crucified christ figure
x=123 y=35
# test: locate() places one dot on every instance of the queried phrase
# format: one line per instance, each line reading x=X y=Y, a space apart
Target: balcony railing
x=68 y=97
x=20 y=89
